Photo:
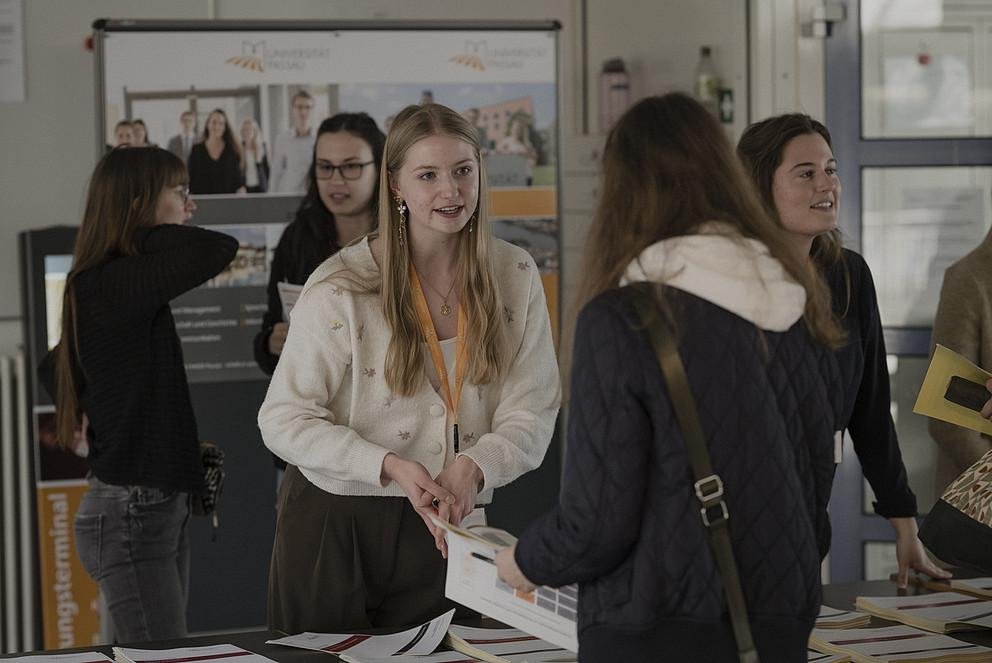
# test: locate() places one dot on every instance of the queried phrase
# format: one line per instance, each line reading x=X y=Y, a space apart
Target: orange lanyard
x=430 y=336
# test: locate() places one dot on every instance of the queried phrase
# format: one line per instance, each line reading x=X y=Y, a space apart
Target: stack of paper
x=439 y=657
x=896 y=644
x=973 y=586
x=419 y=640
x=81 y=657
x=198 y=654
x=834 y=618
x=499 y=645
x=944 y=612
x=813 y=656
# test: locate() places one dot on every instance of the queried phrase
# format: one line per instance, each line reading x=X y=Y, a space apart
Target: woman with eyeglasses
x=216 y=162
x=339 y=206
x=120 y=362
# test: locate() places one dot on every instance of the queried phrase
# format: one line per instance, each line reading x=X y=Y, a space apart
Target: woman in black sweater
x=791 y=160
x=216 y=163
x=120 y=362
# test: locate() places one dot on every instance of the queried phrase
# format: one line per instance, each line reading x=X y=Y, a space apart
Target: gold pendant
x=445 y=309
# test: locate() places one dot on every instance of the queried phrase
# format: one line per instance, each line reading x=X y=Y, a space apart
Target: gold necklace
x=445 y=308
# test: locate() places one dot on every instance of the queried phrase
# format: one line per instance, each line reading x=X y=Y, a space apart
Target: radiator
x=18 y=553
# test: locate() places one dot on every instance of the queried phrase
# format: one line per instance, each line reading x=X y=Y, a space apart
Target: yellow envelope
x=944 y=365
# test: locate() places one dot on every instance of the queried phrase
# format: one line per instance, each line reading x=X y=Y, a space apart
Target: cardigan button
x=436 y=447
x=436 y=410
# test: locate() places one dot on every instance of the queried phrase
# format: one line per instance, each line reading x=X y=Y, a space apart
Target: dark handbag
x=206 y=503
x=958 y=528
x=708 y=486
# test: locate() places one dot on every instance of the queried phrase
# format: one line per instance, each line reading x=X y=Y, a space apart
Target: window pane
x=919 y=452
x=925 y=68
x=915 y=223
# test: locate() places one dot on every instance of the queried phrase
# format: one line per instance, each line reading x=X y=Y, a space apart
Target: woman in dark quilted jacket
x=791 y=161
x=754 y=329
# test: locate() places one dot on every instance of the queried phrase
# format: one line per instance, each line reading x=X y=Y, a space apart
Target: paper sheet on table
x=288 y=294
x=80 y=657
x=204 y=654
x=548 y=613
x=944 y=365
x=422 y=639
x=439 y=657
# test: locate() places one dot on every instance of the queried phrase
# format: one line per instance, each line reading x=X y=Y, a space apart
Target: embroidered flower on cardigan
x=337 y=291
x=368 y=372
x=388 y=402
x=508 y=314
x=522 y=266
x=469 y=438
x=403 y=435
x=336 y=326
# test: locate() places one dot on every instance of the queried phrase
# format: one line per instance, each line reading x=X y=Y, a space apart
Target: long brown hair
x=122 y=197
x=667 y=168
x=476 y=278
x=230 y=141
x=761 y=148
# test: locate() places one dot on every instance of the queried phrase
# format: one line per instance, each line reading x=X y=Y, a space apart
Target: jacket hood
x=733 y=272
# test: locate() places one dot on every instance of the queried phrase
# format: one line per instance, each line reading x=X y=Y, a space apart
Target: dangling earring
x=471 y=223
x=401 y=208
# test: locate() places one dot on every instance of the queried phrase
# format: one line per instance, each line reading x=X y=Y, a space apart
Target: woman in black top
x=791 y=160
x=339 y=206
x=215 y=163
x=120 y=362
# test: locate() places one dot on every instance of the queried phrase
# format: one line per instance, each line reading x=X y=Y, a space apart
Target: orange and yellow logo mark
x=473 y=61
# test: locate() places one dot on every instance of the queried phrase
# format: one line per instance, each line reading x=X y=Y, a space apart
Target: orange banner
x=529 y=201
x=550 y=282
x=69 y=597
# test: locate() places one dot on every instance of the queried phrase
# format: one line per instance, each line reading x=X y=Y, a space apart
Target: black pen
x=483 y=558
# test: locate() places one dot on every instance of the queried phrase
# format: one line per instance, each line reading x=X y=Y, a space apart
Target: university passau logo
x=251 y=56
x=479 y=55
x=472 y=55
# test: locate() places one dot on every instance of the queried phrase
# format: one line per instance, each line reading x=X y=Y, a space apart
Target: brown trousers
x=341 y=563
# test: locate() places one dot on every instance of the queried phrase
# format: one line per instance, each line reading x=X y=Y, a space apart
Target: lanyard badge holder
x=451 y=398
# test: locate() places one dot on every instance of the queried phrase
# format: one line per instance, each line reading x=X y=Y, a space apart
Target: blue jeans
x=133 y=542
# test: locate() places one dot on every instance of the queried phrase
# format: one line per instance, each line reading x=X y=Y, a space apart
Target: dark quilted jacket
x=627 y=525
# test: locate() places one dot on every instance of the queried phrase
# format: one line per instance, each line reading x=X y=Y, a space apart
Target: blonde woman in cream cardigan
x=375 y=440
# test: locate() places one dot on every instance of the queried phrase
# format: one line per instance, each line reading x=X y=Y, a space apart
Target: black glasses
x=183 y=191
x=349 y=171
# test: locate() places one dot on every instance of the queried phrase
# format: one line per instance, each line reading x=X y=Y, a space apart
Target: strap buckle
x=709 y=492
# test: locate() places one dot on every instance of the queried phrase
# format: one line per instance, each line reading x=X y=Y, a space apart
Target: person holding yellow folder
x=418 y=375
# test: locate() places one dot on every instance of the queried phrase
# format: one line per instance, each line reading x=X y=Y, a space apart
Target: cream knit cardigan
x=329 y=411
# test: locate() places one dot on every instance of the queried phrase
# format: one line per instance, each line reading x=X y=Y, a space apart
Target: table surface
x=840 y=596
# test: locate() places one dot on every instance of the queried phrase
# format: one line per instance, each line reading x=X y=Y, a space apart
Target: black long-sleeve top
x=142 y=430
x=288 y=266
x=865 y=374
x=209 y=176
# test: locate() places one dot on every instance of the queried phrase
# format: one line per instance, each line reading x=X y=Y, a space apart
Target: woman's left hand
x=463 y=478
x=510 y=573
x=910 y=552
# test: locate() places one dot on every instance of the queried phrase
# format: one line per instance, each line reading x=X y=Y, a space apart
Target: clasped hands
x=450 y=497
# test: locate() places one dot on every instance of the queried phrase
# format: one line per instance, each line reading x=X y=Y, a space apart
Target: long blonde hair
x=476 y=277
x=667 y=167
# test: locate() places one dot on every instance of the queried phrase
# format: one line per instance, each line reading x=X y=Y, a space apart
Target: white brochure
x=81 y=657
x=548 y=613
x=419 y=640
x=205 y=654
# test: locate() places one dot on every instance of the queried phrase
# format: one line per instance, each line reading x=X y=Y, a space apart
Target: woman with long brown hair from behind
x=120 y=363
x=753 y=327
x=419 y=366
x=792 y=163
